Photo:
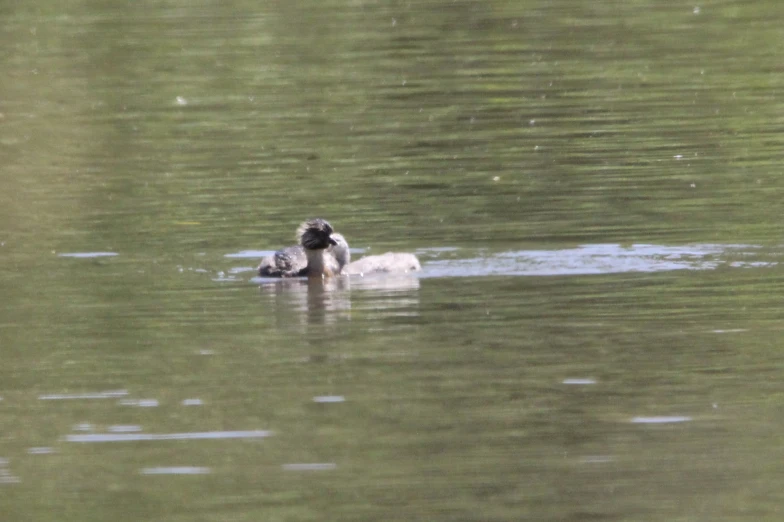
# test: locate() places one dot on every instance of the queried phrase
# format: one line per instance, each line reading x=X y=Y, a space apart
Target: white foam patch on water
x=753 y=264
x=88 y=254
x=176 y=470
x=579 y=381
x=140 y=403
x=133 y=437
x=112 y=394
x=660 y=420
x=329 y=398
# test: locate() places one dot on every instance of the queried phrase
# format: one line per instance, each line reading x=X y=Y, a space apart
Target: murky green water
x=593 y=188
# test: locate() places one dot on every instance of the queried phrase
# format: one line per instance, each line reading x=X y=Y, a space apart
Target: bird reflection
x=308 y=301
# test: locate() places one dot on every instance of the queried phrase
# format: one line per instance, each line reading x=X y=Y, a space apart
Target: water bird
x=390 y=262
x=322 y=252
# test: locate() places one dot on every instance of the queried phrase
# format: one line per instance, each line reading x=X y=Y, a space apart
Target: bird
x=390 y=262
x=320 y=252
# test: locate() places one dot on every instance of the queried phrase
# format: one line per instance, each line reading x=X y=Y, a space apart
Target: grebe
x=321 y=252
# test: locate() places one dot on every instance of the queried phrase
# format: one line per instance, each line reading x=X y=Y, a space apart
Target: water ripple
x=131 y=437
x=598 y=259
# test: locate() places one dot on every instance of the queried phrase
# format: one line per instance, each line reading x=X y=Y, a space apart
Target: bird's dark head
x=315 y=234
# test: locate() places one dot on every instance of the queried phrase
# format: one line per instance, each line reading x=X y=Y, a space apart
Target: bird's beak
x=332 y=242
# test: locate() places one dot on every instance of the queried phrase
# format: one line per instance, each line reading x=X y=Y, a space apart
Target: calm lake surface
x=594 y=190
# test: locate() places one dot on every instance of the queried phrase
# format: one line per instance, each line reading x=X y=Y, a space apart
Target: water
x=593 y=190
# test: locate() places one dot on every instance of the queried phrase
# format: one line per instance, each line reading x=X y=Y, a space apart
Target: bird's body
x=320 y=253
x=288 y=262
x=395 y=262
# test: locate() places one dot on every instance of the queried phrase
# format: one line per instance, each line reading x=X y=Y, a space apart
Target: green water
x=188 y=138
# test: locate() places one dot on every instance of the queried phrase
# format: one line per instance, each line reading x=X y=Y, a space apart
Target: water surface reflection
x=331 y=299
x=599 y=259
x=581 y=260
